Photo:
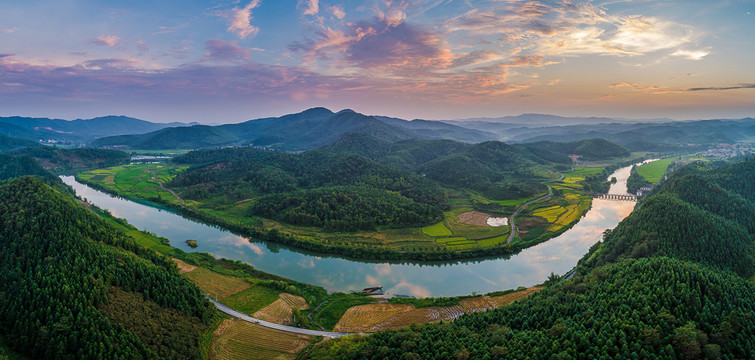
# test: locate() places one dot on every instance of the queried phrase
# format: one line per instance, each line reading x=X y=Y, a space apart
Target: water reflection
x=529 y=267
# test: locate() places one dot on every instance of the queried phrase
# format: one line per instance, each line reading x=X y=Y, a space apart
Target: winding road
x=154 y=177
x=245 y=317
x=513 y=226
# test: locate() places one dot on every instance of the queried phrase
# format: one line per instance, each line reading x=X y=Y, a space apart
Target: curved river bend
x=529 y=267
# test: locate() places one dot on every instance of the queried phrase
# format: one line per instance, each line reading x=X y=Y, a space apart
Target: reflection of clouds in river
x=414 y=290
x=479 y=276
x=383 y=269
x=370 y=280
x=239 y=241
x=306 y=263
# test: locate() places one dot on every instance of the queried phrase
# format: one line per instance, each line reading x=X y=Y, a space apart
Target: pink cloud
x=310 y=7
x=240 y=20
x=224 y=51
x=107 y=40
x=337 y=12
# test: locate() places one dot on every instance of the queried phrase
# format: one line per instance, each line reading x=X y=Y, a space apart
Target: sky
x=231 y=61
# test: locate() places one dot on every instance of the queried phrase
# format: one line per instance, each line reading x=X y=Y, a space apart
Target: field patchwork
x=237 y=339
x=280 y=310
x=377 y=317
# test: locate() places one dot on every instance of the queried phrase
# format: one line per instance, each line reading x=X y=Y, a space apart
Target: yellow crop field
x=217 y=285
x=550 y=213
x=369 y=317
x=280 y=310
x=238 y=339
x=377 y=317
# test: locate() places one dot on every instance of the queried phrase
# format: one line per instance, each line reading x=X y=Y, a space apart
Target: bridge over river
x=617 y=197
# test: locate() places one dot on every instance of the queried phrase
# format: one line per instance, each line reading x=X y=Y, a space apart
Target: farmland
x=280 y=310
x=218 y=286
x=377 y=317
x=135 y=181
x=459 y=231
x=237 y=339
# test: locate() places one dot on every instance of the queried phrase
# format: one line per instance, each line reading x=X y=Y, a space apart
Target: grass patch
x=331 y=311
x=438 y=229
x=654 y=171
x=252 y=299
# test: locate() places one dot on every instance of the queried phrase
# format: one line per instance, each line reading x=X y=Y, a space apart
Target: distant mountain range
x=650 y=135
x=295 y=132
x=319 y=126
x=79 y=131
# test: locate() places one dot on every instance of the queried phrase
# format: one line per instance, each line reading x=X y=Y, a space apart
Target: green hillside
x=10 y=143
x=670 y=282
x=590 y=149
x=63 y=271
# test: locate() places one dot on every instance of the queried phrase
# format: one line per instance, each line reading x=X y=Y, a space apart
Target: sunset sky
x=230 y=61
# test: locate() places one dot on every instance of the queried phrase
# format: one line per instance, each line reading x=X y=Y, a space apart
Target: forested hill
x=71 y=286
x=80 y=130
x=10 y=143
x=330 y=190
x=664 y=301
x=61 y=160
x=295 y=132
x=455 y=164
x=589 y=149
x=16 y=166
x=703 y=213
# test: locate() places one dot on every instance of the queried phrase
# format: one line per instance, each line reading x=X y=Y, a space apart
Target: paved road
x=264 y=323
x=513 y=226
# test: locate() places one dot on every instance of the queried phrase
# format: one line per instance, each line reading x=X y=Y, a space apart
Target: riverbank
x=145 y=184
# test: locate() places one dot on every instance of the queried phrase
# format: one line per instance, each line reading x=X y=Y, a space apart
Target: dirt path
x=513 y=226
x=154 y=177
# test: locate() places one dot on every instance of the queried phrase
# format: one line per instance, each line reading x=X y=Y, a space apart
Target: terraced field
x=238 y=339
x=377 y=317
x=217 y=285
x=280 y=310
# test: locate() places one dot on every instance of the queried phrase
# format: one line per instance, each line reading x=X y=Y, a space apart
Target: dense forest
x=589 y=149
x=329 y=190
x=66 y=277
x=647 y=291
x=73 y=159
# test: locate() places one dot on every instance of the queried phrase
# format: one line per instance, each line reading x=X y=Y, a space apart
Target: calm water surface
x=529 y=267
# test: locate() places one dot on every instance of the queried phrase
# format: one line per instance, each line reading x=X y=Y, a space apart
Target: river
x=529 y=267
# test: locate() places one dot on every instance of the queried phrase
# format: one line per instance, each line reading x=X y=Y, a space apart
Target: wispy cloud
x=240 y=20
x=9 y=30
x=107 y=40
x=309 y=7
x=716 y=88
x=691 y=54
x=225 y=51
x=338 y=12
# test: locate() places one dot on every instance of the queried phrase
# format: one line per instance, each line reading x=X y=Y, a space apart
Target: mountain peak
x=345 y=111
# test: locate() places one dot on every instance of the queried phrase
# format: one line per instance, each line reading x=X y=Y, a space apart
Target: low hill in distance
x=78 y=131
x=295 y=132
x=635 y=136
x=62 y=160
x=12 y=143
